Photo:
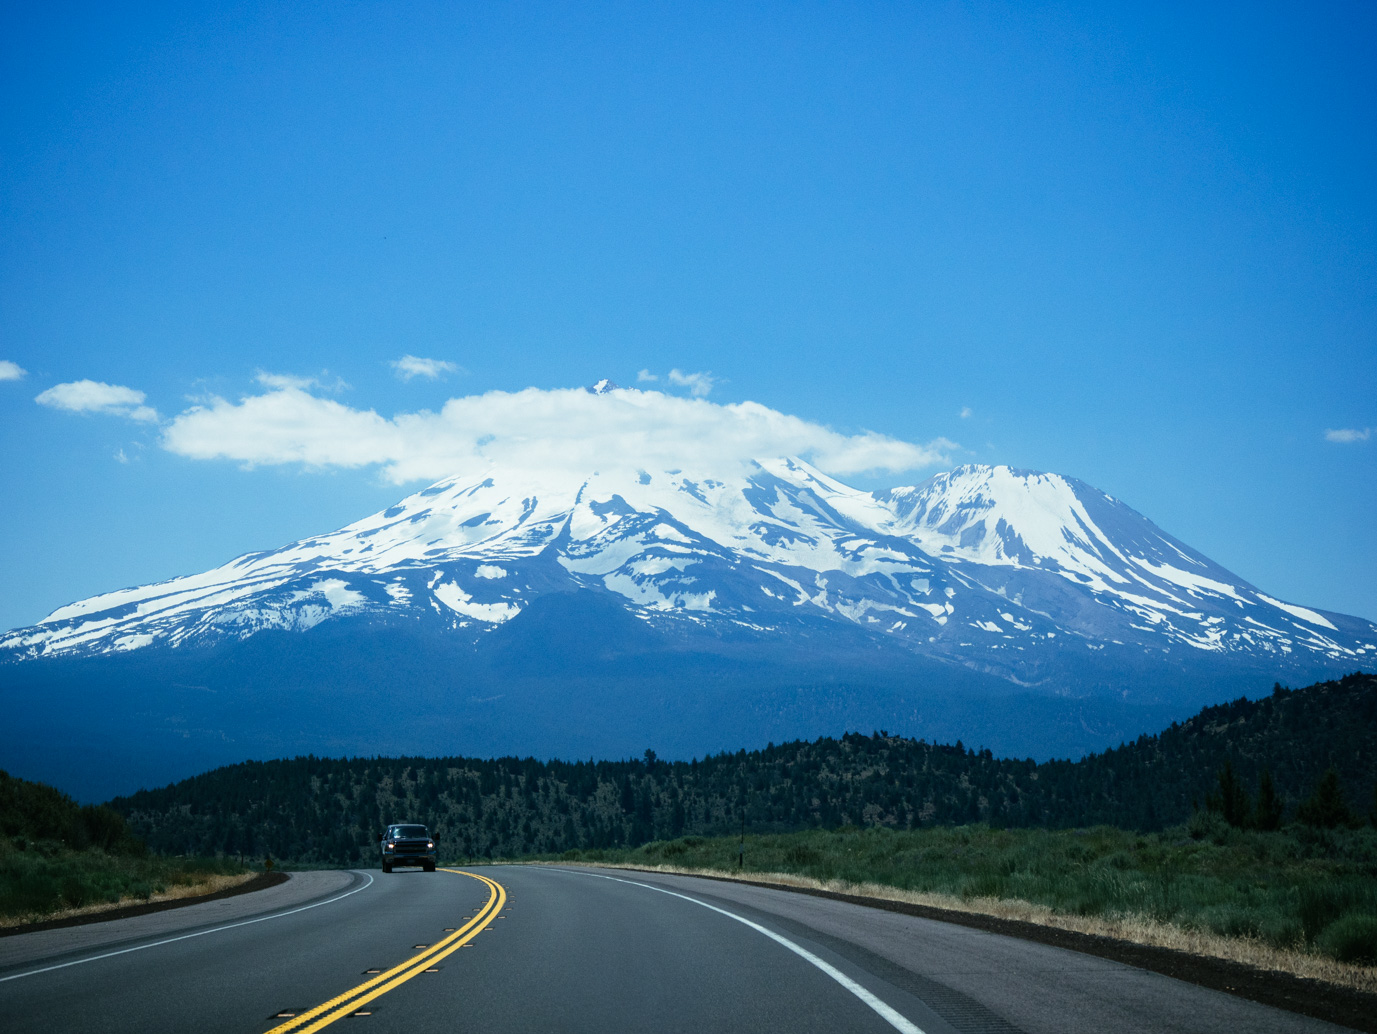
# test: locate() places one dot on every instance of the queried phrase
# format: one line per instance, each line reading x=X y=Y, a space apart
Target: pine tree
x=1232 y=800
x=1326 y=807
x=1269 y=806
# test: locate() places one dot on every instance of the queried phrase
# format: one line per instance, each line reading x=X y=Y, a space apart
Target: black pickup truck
x=407 y=844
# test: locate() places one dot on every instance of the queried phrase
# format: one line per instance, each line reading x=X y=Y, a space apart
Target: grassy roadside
x=60 y=859
x=1297 y=900
x=45 y=880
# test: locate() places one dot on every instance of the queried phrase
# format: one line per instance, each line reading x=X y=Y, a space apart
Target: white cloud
x=11 y=371
x=278 y=381
x=646 y=375
x=967 y=412
x=562 y=430
x=409 y=366
x=1346 y=435
x=97 y=397
x=284 y=425
x=697 y=383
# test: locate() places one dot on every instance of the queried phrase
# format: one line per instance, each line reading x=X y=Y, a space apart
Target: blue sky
x=1135 y=244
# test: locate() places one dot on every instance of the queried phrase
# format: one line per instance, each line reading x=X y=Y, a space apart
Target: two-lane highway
x=530 y=949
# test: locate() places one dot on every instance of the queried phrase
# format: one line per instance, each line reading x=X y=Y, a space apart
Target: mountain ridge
x=977 y=564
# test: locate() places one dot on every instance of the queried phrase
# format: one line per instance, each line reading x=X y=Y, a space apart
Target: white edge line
x=187 y=936
x=892 y=1016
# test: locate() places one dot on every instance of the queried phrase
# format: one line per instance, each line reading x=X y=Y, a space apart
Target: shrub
x=1281 y=931
x=1207 y=825
x=1351 y=939
x=1324 y=903
x=801 y=854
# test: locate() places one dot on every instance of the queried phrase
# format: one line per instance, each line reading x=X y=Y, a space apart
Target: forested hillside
x=329 y=810
x=33 y=812
x=58 y=855
x=1296 y=735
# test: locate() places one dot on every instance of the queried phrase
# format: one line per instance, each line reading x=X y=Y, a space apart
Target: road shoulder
x=298 y=889
x=1319 y=999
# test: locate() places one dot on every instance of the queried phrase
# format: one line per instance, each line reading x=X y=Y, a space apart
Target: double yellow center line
x=342 y=1005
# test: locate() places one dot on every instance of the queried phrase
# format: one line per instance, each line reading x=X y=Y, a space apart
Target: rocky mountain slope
x=991 y=567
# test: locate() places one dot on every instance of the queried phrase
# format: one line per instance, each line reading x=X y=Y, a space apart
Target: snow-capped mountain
x=1115 y=577
x=994 y=568
x=570 y=615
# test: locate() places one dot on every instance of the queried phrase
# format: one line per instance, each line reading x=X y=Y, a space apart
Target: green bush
x=1351 y=939
x=802 y=854
x=1282 y=930
x=1207 y=825
x=1324 y=902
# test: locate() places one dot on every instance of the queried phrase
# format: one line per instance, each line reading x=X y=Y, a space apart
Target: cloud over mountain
x=561 y=429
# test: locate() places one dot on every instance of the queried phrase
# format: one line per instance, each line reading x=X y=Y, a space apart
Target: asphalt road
x=532 y=949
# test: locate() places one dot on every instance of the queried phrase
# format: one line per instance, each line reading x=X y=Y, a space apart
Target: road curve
x=530 y=949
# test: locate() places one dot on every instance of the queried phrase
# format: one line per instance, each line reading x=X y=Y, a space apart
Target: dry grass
x=1134 y=929
x=209 y=884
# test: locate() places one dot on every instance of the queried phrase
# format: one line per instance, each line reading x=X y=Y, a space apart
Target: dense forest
x=1321 y=740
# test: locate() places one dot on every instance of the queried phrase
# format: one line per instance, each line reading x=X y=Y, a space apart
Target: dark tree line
x=37 y=812
x=310 y=809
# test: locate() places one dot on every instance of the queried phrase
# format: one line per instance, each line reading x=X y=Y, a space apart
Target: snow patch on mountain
x=1304 y=613
x=459 y=601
